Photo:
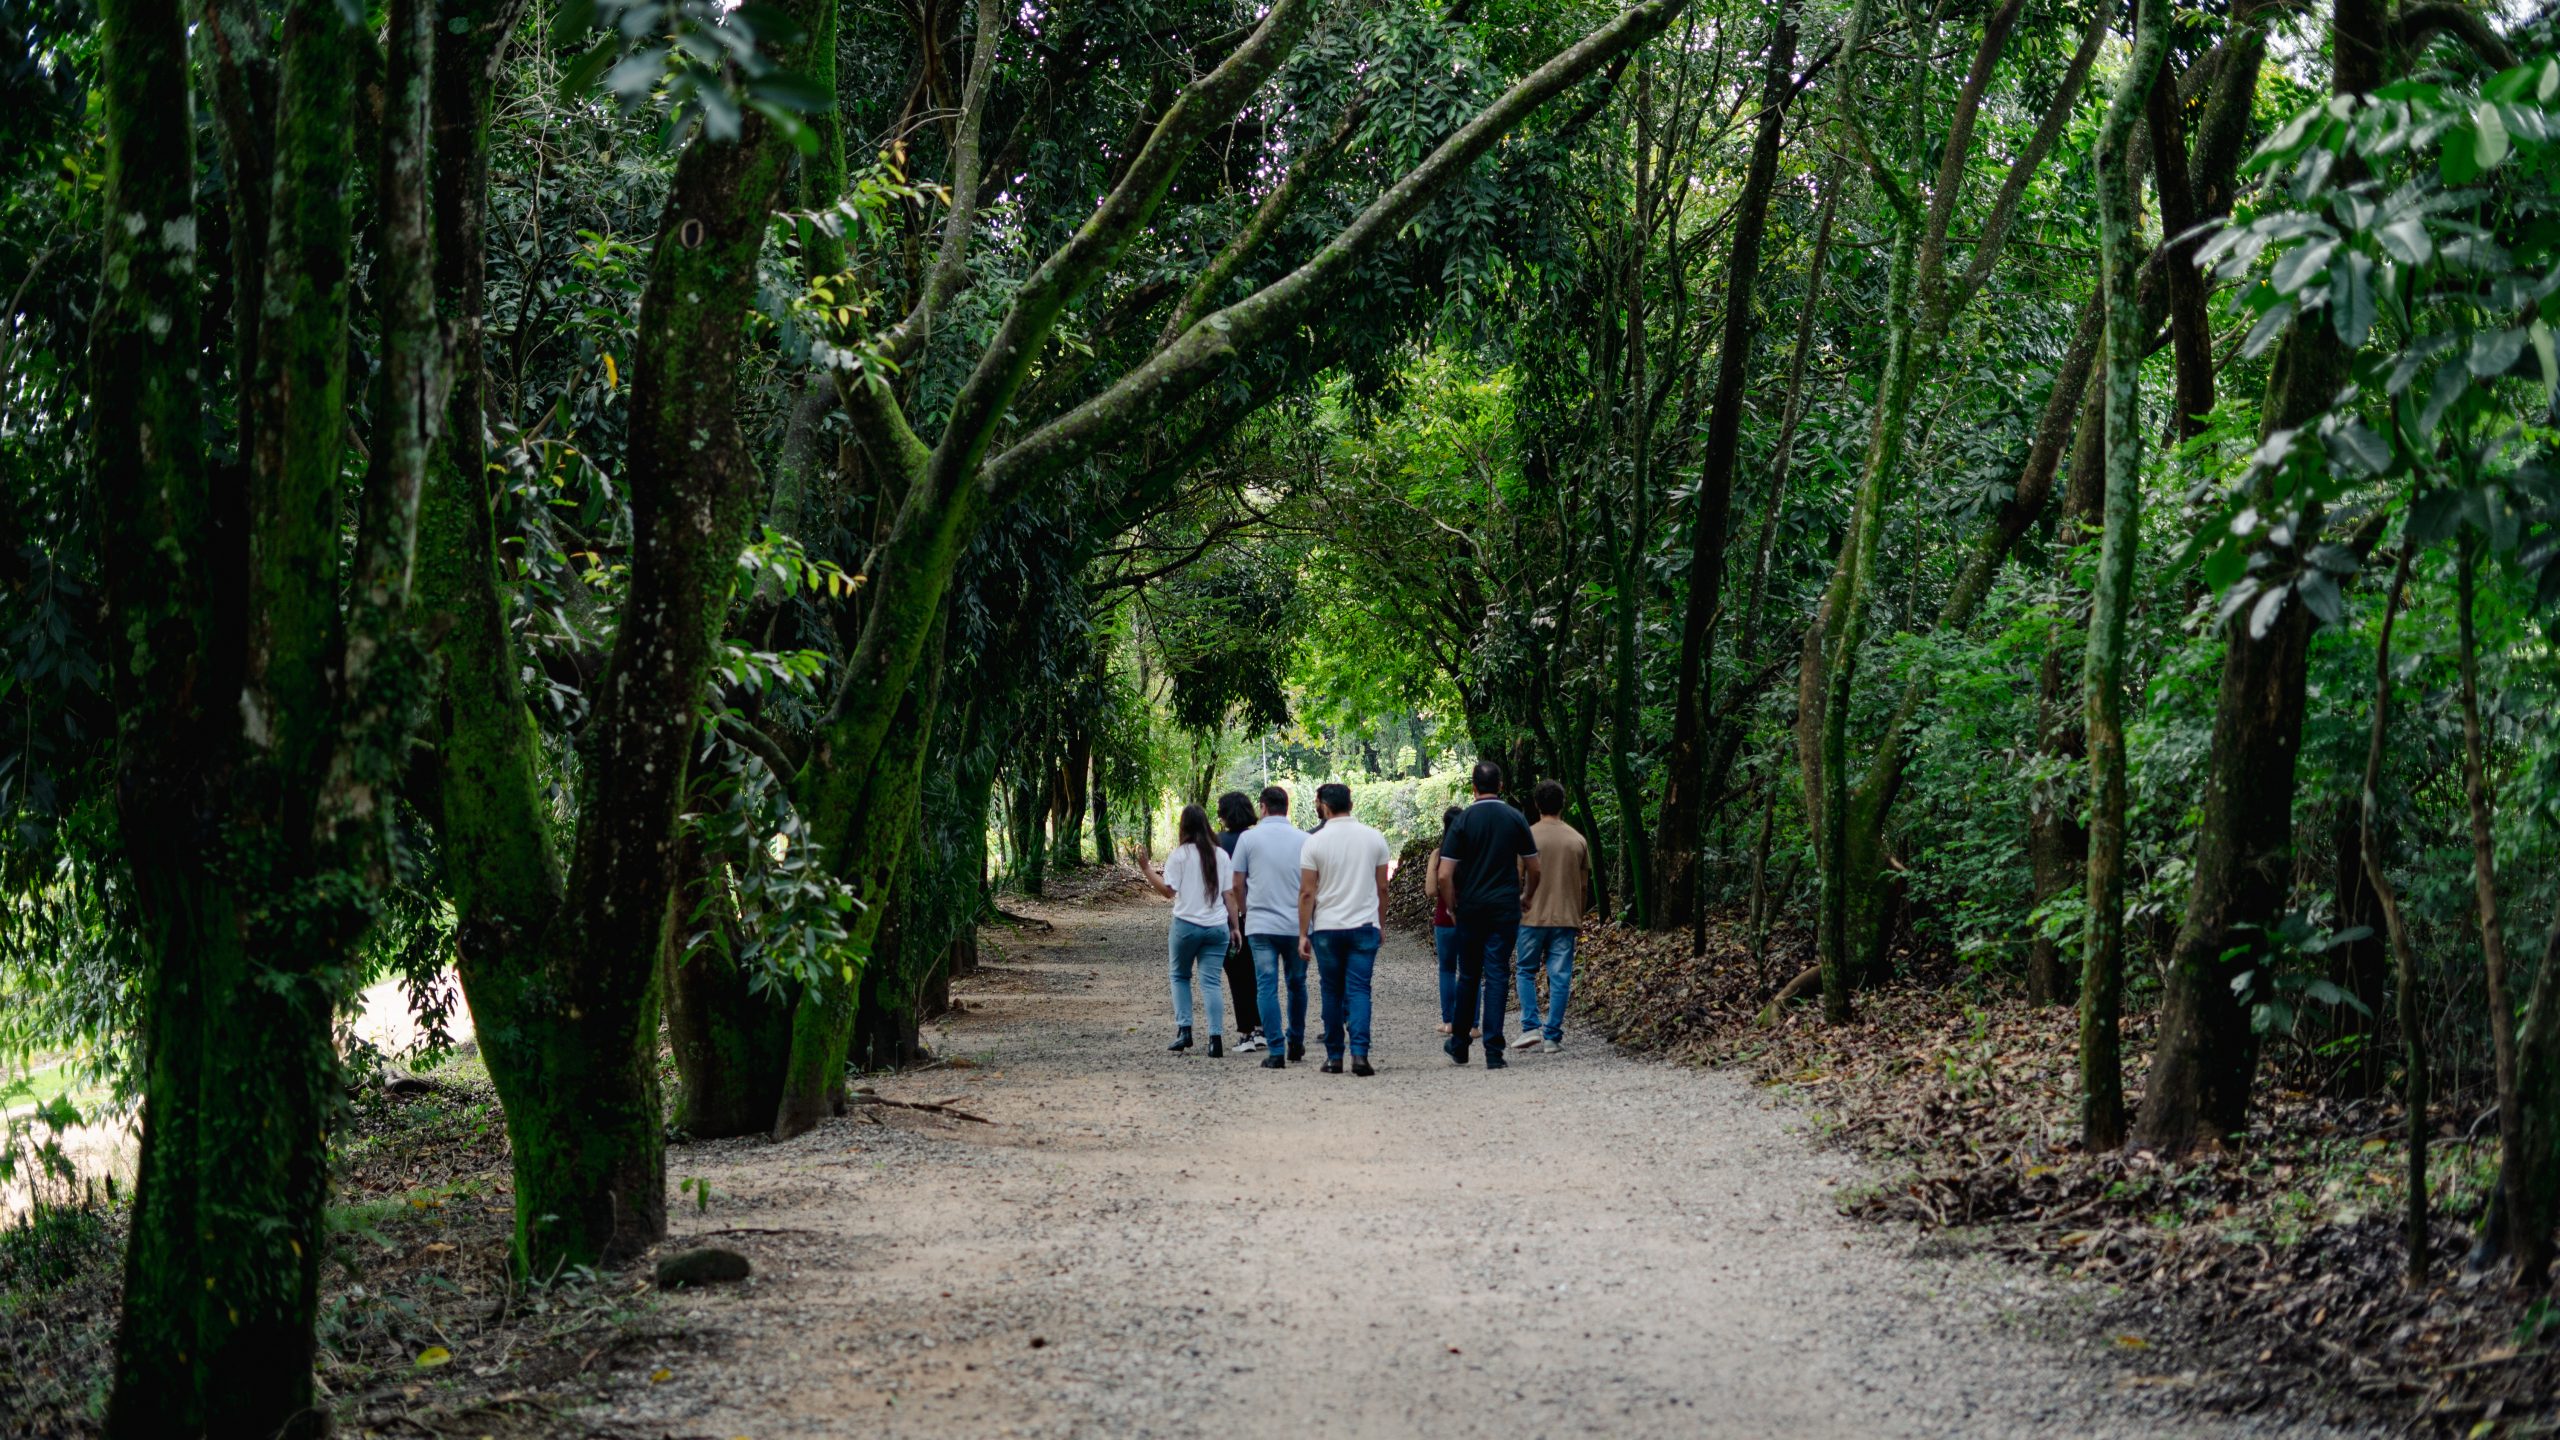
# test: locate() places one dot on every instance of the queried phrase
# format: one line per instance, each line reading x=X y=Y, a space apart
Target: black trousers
x=1243 y=1006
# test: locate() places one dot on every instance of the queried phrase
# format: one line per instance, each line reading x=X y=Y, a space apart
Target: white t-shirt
x=1182 y=872
x=1344 y=857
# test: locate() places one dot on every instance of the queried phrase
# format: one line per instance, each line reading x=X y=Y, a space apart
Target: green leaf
x=581 y=76
x=2459 y=162
x=2351 y=302
x=2407 y=241
x=2489 y=136
x=572 y=21
x=2224 y=565
x=2299 y=267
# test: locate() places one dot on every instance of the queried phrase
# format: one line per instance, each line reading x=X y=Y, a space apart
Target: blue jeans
x=1548 y=948
x=1444 y=941
x=1346 y=960
x=1190 y=947
x=1276 y=958
x=1484 y=949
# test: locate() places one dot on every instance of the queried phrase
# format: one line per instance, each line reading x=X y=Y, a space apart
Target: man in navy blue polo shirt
x=1488 y=867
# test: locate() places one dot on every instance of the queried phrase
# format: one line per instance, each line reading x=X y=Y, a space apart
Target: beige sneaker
x=1527 y=1043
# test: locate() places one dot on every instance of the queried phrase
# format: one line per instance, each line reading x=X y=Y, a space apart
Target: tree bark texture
x=1684 y=798
x=2197 y=1091
x=561 y=962
x=2102 y=970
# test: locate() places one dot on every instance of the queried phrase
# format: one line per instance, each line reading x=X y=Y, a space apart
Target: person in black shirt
x=1235 y=816
x=1488 y=866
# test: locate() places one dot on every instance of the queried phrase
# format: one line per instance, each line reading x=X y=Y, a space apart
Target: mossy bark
x=248 y=735
x=561 y=962
x=2111 y=597
x=729 y=1040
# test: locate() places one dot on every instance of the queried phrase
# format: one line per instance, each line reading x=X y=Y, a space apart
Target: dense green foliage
x=853 y=459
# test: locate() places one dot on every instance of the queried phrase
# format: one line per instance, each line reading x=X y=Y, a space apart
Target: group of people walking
x=1258 y=899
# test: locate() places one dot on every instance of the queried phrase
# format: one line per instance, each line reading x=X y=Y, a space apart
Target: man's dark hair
x=1550 y=797
x=1275 y=801
x=1234 y=811
x=1334 y=796
x=1449 y=817
x=1488 y=778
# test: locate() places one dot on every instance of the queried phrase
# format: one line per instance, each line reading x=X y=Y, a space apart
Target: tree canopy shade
x=664 y=510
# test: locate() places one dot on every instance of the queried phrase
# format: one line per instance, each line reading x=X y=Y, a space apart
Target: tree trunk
x=822 y=1029
x=2368 y=840
x=258 y=708
x=561 y=968
x=2057 y=843
x=2535 y=1183
x=2102 y=975
x=1104 y=847
x=2197 y=1092
x=1684 y=802
x=1071 y=813
x=730 y=1043
x=2479 y=790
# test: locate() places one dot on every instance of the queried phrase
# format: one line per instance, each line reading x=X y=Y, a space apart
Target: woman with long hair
x=1200 y=881
x=1235 y=816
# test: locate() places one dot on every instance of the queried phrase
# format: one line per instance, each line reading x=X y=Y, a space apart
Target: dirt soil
x=1146 y=1244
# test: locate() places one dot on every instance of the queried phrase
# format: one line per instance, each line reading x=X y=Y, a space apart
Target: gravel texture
x=1150 y=1245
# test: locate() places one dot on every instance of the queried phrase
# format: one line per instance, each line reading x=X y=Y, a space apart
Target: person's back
x=1488 y=866
x=1341 y=899
x=1344 y=857
x=1565 y=891
x=1485 y=849
x=1267 y=881
x=1267 y=858
x=1551 y=923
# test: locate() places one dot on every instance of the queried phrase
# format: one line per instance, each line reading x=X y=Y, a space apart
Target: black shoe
x=1297 y=1052
x=1360 y=1065
x=1331 y=1067
x=1273 y=1061
x=1217 y=1046
x=1493 y=1058
x=1181 y=1038
x=1455 y=1047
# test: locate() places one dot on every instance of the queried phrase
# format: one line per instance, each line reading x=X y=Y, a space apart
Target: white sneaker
x=1253 y=1042
x=1555 y=1045
x=1525 y=1044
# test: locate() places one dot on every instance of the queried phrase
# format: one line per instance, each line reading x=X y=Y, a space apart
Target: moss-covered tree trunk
x=257 y=716
x=730 y=1041
x=148 y=466
x=2111 y=597
x=822 y=1026
x=561 y=962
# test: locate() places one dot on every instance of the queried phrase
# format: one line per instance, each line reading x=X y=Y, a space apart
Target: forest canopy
x=640 y=521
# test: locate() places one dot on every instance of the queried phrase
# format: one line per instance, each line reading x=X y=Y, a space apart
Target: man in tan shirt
x=1551 y=922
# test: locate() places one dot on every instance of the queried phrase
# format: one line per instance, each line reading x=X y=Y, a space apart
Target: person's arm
x=1529 y=874
x=1383 y=871
x=1235 y=904
x=1147 y=868
x=1306 y=913
x=1444 y=882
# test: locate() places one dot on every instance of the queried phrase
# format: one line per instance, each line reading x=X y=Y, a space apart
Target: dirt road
x=1150 y=1245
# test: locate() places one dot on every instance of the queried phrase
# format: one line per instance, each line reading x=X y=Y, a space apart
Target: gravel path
x=1150 y=1245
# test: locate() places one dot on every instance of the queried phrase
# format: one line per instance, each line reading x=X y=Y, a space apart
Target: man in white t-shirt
x=1342 y=892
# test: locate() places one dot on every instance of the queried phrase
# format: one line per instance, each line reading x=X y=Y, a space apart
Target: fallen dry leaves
x=2266 y=1276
